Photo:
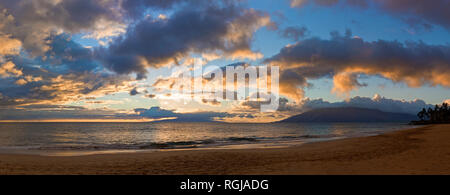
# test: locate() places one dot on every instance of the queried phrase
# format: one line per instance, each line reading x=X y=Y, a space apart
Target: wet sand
x=424 y=150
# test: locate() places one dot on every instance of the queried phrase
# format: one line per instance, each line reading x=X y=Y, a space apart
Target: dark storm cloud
x=344 y=57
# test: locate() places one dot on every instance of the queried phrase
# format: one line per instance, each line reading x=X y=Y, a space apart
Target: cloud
x=298 y=3
x=434 y=12
x=137 y=8
x=294 y=32
x=68 y=56
x=214 y=87
x=67 y=72
x=52 y=88
x=151 y=96
x=157 y=112
x=9 y=69
x=377 y=102
x=33 y=22
x=213 y=102
x=292 y=84
x=346 y=82
x=72 y=87
x=41 y=63
x=344 y=57
x=67 y=112
x=21 y=82
x=413 y=12
x=64 y=112
x=243 y=113
x=254 y=104
x=9 y=46
x=134 y=92
x=213 y=29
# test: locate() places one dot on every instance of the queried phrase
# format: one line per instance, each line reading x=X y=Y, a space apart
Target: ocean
x=94 y=138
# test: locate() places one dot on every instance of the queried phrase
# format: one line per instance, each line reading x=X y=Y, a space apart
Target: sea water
x=91 y=138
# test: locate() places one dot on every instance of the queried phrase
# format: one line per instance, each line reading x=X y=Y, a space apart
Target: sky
x=116 y=60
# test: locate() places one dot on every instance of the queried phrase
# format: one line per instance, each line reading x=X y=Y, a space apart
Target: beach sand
x=424 y=150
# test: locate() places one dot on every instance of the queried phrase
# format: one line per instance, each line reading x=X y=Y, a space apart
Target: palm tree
x=437 y=116
x=445 y=112
x=430 y=114
x=440 y=114
x=422 y=114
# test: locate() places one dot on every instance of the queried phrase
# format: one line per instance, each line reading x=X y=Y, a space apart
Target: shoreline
x=422 y=150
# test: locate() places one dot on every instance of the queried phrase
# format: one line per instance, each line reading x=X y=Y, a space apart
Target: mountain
x=349 y=114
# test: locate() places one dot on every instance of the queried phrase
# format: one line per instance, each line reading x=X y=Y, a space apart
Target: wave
x=181 y=144
x=152 y=145
x=311 y=136
x=239 y=139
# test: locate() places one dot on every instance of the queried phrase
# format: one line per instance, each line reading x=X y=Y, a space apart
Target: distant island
x=438 y=115
x=349 y=114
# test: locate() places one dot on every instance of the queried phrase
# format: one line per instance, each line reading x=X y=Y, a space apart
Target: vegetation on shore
x=438 y=115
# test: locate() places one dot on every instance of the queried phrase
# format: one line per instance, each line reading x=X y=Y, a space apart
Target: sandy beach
x=424 y=150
